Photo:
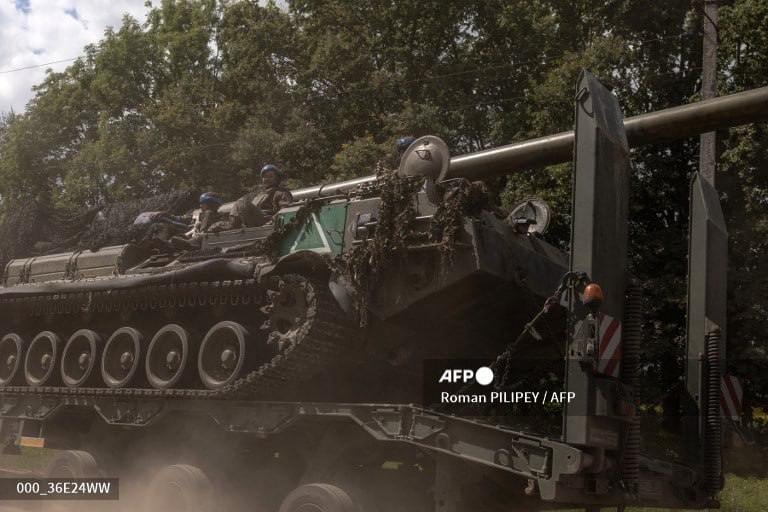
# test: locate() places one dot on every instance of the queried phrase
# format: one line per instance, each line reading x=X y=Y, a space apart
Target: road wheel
x=180 y=488
x=318 y=498
x=121 y=359
x=79 y=359
x=11 y=362
x=168 y=357
x=224 y=353
x=41 y=361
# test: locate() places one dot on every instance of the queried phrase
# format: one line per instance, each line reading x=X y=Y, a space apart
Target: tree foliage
x=202 y=92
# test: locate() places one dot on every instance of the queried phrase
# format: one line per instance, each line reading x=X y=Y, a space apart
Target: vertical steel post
x=708 y=140
x=707 y=286
x=600 y=199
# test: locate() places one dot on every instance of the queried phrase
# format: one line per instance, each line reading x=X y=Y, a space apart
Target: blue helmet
x=210 y=198
x=271 y=168
x=403 y=143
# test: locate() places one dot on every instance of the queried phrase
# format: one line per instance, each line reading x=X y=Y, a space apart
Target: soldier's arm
x=282 y=198
x=231 y=222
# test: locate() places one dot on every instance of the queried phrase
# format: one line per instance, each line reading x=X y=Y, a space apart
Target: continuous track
x=312 y=347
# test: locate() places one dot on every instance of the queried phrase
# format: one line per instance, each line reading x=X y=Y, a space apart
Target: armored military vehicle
x=224 y=369
x=268 y=308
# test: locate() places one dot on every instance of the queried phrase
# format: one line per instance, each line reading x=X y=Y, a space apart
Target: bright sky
x=34 y=32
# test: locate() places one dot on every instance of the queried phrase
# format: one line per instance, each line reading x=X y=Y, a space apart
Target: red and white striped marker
x=731 y=396
x=609 y=345
x=609 y=351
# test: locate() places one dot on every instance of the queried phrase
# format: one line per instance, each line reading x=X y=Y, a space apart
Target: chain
x=569 y=282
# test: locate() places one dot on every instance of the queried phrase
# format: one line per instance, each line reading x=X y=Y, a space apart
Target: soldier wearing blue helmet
x=404 y=143
x=273 y=169
x=206 y=218
x=401 y=145
x=209 y=212
x=210 y=199
x=257 y=207
x=275 y=196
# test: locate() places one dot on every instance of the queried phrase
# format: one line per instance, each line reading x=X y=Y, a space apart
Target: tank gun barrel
x=663 y=125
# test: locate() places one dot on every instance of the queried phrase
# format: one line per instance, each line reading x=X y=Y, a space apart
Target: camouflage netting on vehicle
x=115 y=224
x=38 y=228
x=34 y=226
x=461 y=199
x=365 y=264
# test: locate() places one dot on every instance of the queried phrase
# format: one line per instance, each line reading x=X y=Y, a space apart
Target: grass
x=744 y=494
x=741 y=494
x=30 y=459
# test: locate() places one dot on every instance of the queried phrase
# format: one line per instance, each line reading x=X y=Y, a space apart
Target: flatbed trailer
x=331 y=441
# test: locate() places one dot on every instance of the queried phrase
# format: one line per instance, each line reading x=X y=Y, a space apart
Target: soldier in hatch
x=401 y=145
x=209 y=214
x=257 y=207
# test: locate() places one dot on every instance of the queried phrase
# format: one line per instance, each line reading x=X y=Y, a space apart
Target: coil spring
x=630 y=463
x=712 y=421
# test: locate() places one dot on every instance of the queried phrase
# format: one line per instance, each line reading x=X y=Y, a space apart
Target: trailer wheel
x=318 y=498
x=181 y=488
x=72 y=464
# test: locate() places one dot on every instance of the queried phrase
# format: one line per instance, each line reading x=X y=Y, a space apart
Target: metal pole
x=708 y=141
x=661 y=126
x=664 y=125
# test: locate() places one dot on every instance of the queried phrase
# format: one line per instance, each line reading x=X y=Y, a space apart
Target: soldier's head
x=210 y=201
x=271 y=176
x=403 y=143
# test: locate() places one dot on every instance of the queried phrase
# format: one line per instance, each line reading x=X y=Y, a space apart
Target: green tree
x=743 y=181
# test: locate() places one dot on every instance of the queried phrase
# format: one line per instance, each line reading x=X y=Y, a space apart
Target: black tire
x=180 y=488
x=73 y=464
x=318 y=498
